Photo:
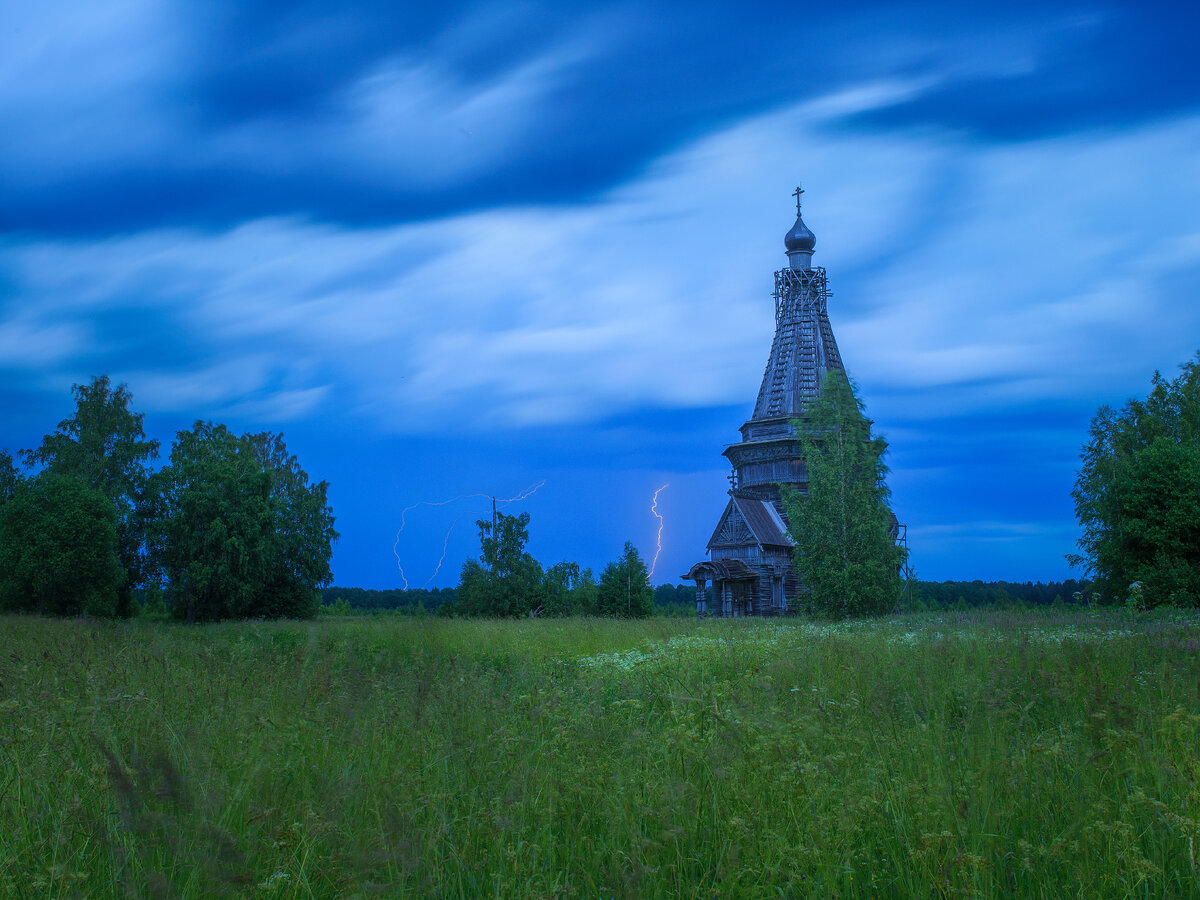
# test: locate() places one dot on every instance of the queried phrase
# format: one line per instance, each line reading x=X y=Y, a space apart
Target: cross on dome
x=800 y=241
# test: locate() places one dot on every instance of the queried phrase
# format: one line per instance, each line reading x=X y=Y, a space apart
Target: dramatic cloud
x=1037 y=270
x=543 y=239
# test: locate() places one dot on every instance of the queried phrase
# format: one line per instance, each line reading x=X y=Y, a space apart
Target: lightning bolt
x=657 y=515
x=445 y=545
x=527 y=492
x=403 y=521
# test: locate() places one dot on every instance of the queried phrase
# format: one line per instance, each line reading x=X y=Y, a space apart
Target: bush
x=59 y=550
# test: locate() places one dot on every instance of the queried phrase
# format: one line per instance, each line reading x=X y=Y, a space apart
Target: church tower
x=750 y=565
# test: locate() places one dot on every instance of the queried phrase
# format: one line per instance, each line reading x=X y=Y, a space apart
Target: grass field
x=1048 y=754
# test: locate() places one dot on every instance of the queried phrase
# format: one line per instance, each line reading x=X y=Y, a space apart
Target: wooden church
x=750 y=553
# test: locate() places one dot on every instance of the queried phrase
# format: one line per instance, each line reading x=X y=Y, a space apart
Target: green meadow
x=989 y=754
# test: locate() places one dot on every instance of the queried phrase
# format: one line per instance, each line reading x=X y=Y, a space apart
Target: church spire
x=751 y=567
x=800 y=241
x=804 y=348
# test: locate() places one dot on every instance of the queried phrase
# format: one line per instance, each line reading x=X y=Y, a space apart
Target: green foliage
x=10 y=478
x=59 y=549
x=625 y=590
x=104 y=444
x=570 y=591
x=302 y=532
x=985 y=756
x=339 y=607
x=559 y=580
x=675 y=600
x=233 y=522
x=154 y=607
x=242 y=533
x=1137 y=496
x=214 y=536
x=945 y=594
x=413 y=601
x=845 y=554
x=508 y=582
x=585 y=595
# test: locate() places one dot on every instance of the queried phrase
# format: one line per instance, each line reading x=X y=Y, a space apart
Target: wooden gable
x=732 y=529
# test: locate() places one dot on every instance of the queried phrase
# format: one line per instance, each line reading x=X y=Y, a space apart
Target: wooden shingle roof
x=747 y=521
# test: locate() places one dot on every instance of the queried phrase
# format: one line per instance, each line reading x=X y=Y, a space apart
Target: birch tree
x=845 y=552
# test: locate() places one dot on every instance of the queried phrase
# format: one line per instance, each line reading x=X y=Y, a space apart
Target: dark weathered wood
x=750 y=557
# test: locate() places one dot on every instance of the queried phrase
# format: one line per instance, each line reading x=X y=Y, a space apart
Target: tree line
x=411 y=601
x=669 y=600
x=680 y=599
x=230 y=527
x=973 y=594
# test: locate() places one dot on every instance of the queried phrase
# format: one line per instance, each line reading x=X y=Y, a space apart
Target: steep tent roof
x=804 y=348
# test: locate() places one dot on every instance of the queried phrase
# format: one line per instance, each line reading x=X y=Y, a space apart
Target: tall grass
x=977 y=755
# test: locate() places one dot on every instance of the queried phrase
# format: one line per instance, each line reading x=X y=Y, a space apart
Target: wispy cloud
x=409 y=123
x=1031 y=270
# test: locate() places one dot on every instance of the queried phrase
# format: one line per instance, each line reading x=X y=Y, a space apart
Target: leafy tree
x=507 y=581
x=241 y=532
x=1137 y=496
x=302 y=531
x=213 y=538
x=559 y=584
x=585 y=594
x=625 y=590
x=104 y=444
x=59 y=549
x=845 y=554
x=10 y=478
x=569 y=591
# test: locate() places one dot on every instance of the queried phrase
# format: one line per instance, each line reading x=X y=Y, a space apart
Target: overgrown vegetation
x=976 y=755
x=506 y=580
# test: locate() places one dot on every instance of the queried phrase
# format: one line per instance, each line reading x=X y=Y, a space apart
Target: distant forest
x=680 y=599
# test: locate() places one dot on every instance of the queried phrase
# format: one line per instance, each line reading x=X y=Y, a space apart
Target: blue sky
x=473 y=248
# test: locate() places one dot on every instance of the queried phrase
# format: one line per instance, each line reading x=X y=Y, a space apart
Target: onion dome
x=800 y=237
